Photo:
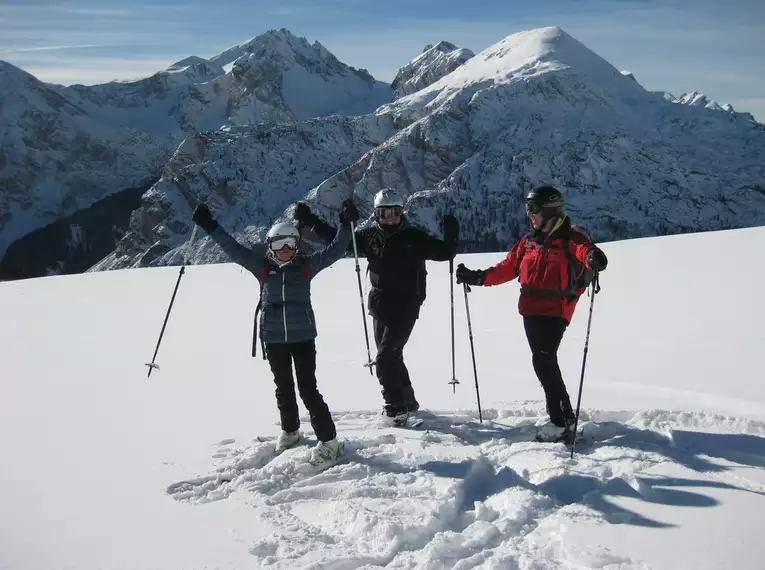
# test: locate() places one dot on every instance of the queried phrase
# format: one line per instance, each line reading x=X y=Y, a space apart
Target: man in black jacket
x=396 y=253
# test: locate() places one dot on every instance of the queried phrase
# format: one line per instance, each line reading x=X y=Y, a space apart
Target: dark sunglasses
x=389 y=211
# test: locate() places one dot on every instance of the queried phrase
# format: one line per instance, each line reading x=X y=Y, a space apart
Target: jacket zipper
x=284 y=304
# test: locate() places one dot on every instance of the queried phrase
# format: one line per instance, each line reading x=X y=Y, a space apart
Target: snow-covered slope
x=673 y=478
x=64 y=148
x=431 y=65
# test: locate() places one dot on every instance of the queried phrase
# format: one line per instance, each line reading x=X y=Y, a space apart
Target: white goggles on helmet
x=279 y=242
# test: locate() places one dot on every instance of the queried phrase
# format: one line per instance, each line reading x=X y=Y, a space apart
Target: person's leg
x=304 y=355
x=544 y=335
x=397 y=391
x=407 y=390
x=385 y=368
x=280 y=360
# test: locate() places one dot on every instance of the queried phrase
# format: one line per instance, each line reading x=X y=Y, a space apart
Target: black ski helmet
x=546 y=199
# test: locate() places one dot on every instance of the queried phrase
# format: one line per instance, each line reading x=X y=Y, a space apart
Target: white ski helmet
x=281 y=234
x=388 y=197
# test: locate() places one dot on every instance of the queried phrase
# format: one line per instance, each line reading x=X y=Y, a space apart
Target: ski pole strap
x=596 y=283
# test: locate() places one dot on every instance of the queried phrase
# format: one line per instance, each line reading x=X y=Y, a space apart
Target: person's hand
x=202 y=217
x=302 y=215
x=469 y=276
x=451 y=228
x=349 y=214
x=597 y=260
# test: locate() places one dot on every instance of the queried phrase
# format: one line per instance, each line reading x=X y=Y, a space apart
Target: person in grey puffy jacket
x=287 y=321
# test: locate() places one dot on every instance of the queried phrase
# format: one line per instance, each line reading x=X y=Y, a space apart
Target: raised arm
x=334 y=251
x=325 y=231
x=250 y=259
x=429 y=247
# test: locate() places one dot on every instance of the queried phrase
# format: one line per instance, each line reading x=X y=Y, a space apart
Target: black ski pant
x=391 y=335
x=544 y=335
x=280 y=357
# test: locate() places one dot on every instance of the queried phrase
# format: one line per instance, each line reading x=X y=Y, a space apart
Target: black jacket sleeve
x=327 y=233
x=429 y=247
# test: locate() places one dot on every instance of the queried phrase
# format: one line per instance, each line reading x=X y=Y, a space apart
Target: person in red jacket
x=550 y=262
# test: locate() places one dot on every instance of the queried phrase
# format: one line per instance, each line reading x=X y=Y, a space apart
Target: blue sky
x=673 y=45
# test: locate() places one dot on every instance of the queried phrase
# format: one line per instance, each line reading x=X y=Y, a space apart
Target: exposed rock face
x=431 y=65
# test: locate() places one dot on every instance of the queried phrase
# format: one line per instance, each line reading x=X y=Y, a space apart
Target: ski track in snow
x=456 y=493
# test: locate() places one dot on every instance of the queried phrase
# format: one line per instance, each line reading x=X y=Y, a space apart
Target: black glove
x=303 y=214
x=465 y=275
x=451 y=228
x=597 y=260
x=349 y=213
x=204 y=219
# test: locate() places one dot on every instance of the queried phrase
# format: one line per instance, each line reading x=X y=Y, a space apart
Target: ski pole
x=151 y=364
x=454 y=380
x=466 y=289
x=595 y=289
x=361 y=296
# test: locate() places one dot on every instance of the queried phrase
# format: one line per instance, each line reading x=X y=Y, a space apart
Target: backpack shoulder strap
x=263 y=274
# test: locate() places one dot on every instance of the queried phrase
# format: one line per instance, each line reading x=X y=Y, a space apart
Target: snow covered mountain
x=56 y=158
x=217 y=167
x=65 y=148
x=537 y=107
x=431 y=65
x=275 y=77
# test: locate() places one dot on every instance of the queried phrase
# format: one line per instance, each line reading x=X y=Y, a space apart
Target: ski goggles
x=536 y=207
x=389 y=211
x=278 y=243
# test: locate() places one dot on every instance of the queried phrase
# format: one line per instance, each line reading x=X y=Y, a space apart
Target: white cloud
x=94 y=71
x=46 y=48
